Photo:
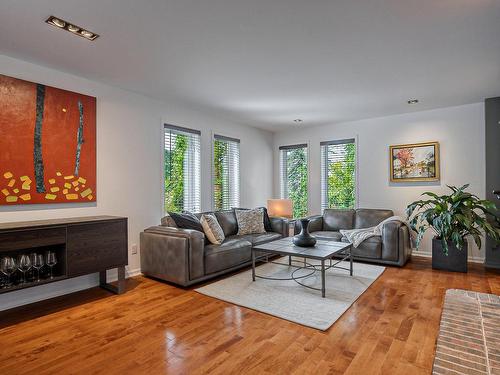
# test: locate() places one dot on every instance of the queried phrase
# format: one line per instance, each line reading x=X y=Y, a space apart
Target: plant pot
x=304 y=238
x=455 y=261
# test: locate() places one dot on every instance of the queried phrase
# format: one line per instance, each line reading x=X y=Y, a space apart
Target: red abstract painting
x=47 y=144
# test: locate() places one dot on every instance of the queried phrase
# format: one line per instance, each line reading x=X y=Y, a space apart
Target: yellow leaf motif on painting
x=5 y=192
x=8 y=175
x=50 y=196
x=71 y=196
x=86 y=192
x=11 y=199
x=25 y=197
x=11 y=183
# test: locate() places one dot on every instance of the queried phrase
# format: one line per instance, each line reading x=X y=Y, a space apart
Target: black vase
x=304 y=238
x=455 y=261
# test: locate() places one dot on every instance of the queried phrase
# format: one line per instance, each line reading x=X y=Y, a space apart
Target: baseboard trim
x=470 y=259
x=57 y=289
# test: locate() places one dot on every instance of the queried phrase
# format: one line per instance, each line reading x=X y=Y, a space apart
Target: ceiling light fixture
x=413 y=101
x=297 y=121
x=77 y=30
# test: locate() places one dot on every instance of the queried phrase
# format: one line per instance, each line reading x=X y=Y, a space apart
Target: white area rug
x=291 y=301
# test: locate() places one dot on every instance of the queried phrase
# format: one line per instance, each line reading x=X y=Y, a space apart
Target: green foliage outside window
x=341 y=191
x=174 y=174
x=296 y=178
x=221 y=181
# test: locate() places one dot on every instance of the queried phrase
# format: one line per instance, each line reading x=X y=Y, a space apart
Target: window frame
x=165 y=126
x=355 y=141
x=306 y=145
x=219 y=136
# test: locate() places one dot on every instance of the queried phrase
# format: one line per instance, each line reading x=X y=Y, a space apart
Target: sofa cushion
x=227 y=220
x=336 y=219
x=328 y=235
x=259 y=239
x=232 y=252
x=369 y=248
x=250 y=221
x=366 y=217
x=212 y=229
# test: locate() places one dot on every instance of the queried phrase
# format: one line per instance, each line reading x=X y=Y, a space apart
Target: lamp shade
x=280 y=207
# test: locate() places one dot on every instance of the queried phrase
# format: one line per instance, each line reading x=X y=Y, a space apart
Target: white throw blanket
x=357 y=236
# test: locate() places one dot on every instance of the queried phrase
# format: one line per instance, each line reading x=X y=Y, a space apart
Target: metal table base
x=313 y=268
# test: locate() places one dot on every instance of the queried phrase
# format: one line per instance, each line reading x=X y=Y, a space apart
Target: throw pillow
x=186 y=220
x=250 y=221
x=267 y=220
x=212 y=229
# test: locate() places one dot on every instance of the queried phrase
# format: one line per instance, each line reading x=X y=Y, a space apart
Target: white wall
x=129 y=169
x=460 y=131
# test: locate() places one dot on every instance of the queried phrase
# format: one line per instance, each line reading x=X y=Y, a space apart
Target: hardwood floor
x=156 y=328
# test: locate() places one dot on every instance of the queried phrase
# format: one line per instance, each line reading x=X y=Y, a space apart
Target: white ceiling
x=267 y=62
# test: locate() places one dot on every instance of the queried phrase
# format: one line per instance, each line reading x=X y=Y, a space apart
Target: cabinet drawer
x=95 y=247
x=27 y=239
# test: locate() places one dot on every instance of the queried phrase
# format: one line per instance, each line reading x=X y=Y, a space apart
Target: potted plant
x=453 y=218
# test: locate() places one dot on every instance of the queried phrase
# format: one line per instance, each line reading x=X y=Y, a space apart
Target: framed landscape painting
x=415 y=162
x=47 y=143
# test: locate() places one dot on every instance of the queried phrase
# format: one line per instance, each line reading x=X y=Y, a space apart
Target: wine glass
x=8 y=267
x=51 y=261
x=37 y=262
x=24 y=265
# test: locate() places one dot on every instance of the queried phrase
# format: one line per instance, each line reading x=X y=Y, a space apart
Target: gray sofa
x=182 y=257
x=393 y=247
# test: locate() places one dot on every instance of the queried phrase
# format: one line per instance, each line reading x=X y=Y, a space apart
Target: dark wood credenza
x=83 y=245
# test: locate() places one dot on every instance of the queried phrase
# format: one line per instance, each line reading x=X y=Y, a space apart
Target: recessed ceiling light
x=413 y=101
x=297 y=120
x=56 y=22
x=72 y=28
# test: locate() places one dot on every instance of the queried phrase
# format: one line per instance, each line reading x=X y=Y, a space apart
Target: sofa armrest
x=315 y=224
x=172 y=254
x=280 y=225
x=396 y=242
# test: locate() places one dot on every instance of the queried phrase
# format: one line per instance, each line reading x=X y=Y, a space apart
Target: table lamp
x=280 y=208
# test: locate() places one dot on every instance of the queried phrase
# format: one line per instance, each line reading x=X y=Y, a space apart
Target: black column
x=492 y=115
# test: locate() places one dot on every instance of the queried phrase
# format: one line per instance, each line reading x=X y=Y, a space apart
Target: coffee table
x=324 y=251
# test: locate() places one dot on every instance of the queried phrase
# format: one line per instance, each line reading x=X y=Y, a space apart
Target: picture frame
x=414 y=162
x=48 y=144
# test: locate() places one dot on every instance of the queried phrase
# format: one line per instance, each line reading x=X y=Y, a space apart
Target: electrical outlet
x=134 y=248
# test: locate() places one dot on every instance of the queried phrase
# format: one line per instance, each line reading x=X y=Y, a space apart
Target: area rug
x=291 y=301
x=469 y=334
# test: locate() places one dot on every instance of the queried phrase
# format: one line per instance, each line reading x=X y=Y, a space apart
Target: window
x=293 y=171
x=338 y=174
x=226 y=172
x=182 y=169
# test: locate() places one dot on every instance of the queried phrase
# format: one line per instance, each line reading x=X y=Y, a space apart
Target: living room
x=350 y=85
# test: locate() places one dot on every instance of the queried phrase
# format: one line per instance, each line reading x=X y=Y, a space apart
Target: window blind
x=294 y=177
x=338 y=174
x=182 y=169
x=226 y=172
